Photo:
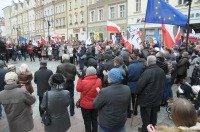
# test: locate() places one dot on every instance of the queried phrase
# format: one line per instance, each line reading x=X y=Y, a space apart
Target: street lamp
x=48 y=24
x=188 y=3
x=18 y=30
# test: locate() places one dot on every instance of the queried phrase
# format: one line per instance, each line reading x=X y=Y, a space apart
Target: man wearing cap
x=69 y=71
x=112 y=103
x=2 y=82
x=41 y=78
x=150 y=90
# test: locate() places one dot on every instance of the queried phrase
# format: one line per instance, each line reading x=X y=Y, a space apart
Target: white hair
x=151 y=60
x=23 y=69
x=65 y=57
x=11 y=78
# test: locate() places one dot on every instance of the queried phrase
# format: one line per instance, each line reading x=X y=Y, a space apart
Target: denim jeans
x=100 y=129
x=0 y=111
x=70 y=87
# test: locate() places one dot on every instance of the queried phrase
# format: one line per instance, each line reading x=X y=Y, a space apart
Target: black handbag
x=46 y=118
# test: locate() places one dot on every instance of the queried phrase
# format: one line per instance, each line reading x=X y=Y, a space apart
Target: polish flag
x=178 y=36
x=127 y=44
x=168 y=36
x=43 y=41
x=112 y=27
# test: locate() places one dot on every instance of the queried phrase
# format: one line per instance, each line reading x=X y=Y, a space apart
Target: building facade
x=8 y=27
x=77 y=19
x=25 y=20
x=31 y=19
x=101 y=11
x=49 y=20
x=60 y=18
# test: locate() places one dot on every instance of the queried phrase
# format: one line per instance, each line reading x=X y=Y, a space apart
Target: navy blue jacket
x=134 y=72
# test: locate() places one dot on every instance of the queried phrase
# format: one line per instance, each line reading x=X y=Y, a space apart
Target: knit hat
x=91 y=70
x=57 y=81
x=115 y=75
x=11 y=78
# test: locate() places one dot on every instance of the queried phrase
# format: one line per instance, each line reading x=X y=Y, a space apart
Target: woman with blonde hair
x=25 y=77
x=184 y=117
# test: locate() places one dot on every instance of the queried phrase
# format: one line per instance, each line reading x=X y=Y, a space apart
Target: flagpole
x=143 y=34
x=188 y=23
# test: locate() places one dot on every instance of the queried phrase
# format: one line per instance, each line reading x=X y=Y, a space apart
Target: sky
x=3 y=4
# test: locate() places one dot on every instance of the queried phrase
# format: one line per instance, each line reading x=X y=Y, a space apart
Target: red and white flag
x=178 y=36
x=168 y=35
x=43 y=41
x=126 y=43
x=112 y=27
x=53 y=41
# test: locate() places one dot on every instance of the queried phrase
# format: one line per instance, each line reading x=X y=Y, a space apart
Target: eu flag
x=156 y=35
x=158 y=11
x=22 y=39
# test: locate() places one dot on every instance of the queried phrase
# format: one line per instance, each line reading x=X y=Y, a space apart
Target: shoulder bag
x=78 y=102
x=46 y=118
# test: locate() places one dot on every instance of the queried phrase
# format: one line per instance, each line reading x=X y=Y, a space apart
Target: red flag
x=178 y=36
x=168 y=37
x=43 y=40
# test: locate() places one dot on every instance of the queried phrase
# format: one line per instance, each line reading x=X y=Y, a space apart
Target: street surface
x=77 y=124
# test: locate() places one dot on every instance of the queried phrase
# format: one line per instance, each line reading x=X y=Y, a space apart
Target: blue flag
x=158 y=11
x=22 y=39
x=156 y=35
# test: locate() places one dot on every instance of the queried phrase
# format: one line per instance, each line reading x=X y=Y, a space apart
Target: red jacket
x=89 y=82
x=30 y=49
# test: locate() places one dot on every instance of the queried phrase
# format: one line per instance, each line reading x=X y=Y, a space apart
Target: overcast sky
x=4 y=3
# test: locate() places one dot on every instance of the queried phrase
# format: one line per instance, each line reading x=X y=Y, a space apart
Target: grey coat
x=41 y=78
x=58 y=101
x=17 y=105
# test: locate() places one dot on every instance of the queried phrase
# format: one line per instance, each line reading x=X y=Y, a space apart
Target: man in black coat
x=2 y=82
x=150 y=90
x=69 y=71
x=41 y=78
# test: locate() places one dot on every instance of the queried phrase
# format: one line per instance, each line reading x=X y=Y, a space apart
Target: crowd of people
x=112 y=83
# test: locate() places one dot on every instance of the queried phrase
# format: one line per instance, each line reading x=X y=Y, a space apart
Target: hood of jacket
x=11 y=86
x=196 y=127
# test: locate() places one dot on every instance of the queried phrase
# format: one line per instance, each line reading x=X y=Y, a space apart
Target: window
x=100 y=15
x=138 y=5
x=60 y=22
x=56 y=22
x=82 y=2
x=63 y=8
x=76 y=4
x=91 y=16
x=56 y=9
x=51 y=11
x=63 y=20
x=121 y=11
x=48 y=12
x=181 y=2
x=60 y=9
x=70 y=5
x=112 y=12
x=82 y=16
x=70 y=19
x=167 y=1
x=76 y=17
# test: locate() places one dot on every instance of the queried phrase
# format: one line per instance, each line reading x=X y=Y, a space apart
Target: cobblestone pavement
x=77 y=124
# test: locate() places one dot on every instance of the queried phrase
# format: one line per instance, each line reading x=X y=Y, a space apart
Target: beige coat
x=26 y=80
x=17 y=105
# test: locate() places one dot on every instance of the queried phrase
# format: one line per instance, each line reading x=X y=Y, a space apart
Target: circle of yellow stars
x=160 y=17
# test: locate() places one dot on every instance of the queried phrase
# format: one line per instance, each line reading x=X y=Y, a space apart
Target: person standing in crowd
x=49 y=52
x=150 y=90
x=61 y=52
x=87 y=88
x=24 y=50
x=2 y=82
x=18 y=108
x=69 y=72
x=81 y=54
x=134 y=72
x=41 y=78
x=70 y=53
x=74 y=55
x=44 y=51
x=58 y=101
x=112 y=103
x=30 y=50
x=25 y=77
x=182 y=67
x=39 y=52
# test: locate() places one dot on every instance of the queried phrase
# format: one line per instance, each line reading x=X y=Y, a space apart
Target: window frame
x=101 y=9
x=92 y=20
x=119 y=12
x=110 y=12
x=138 y=5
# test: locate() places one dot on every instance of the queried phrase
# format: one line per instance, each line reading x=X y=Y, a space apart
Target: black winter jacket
x=150 y=86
